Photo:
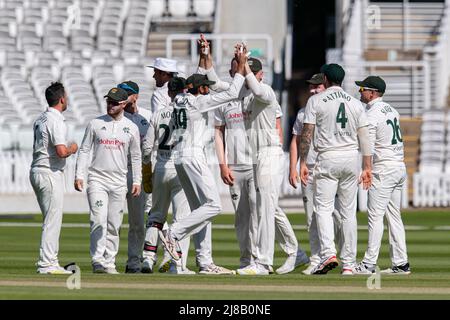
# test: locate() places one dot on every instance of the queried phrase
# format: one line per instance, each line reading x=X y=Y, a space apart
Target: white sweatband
x=364 y=143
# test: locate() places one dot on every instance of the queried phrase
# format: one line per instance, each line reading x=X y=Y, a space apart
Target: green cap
x=255 y=65
x=334 y=72
x=130 y=87
x=117 y=94
x=316 y=79
x=374 y=83
x=176 y=84
x=196 y=80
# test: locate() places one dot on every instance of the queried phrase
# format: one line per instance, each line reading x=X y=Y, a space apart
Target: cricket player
x=165 y=69
x=315 y=86
x=136 y=205
x=160 y=137
x=50 y=150
x=191 y=116
x=113 y=138
x=389 y=175
x=342 y=129
x=238 y=173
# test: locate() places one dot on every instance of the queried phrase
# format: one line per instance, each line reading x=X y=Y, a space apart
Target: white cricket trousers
x=384 y=199
x=136 y=219
x=337 y=176
x=49 y=187
x=311 y=220
x=168 y=191
x=243 y=197
x=106 y=203
x=266 y=171
x=284 y=233
x=201 y=192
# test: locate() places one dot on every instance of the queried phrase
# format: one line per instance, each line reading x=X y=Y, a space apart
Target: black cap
x=316 y=79
x=334 y=72
x=374 y=83
x=196 y=80
x=254 y=64
x=176 y=84
x=129 y=86
x=117 y=94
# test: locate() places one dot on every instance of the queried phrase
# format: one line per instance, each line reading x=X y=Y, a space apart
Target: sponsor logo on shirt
x=126 y=130
x=111 y=142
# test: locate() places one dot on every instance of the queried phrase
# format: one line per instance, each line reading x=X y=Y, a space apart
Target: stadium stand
x=407 y=44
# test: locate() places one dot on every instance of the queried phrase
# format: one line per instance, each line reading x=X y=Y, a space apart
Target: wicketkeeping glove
x=147 y=177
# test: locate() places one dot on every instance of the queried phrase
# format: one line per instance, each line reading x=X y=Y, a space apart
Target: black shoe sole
x=145 y=270
x=327 y=268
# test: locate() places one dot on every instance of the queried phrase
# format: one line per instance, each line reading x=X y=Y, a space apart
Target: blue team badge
x=126 y=130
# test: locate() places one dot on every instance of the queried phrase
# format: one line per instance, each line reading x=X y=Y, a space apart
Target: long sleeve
x=136 y=158
x=262 y=92
x=83 y=153
x=213 y=101
x=372 y=133
x=219 y=85
x=148 y=143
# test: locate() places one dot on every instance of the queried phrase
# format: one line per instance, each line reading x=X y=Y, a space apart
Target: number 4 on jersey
x=340 y=118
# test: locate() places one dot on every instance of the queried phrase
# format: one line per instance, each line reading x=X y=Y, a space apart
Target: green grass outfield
x=428 y=241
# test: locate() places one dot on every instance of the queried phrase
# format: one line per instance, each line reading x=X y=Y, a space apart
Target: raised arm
x=212 y=101
x=262 y=92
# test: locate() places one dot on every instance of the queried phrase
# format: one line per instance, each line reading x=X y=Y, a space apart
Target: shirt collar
x=371 y=103
x=56 y=112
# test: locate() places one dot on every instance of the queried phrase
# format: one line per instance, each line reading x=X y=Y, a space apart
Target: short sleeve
x=57 y=132
x=278 y=111
x=219 y=117
x=310 y=111
x=362 y=119
x=298 y=125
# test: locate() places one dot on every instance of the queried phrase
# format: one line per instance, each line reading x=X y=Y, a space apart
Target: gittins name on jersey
x=336 y=95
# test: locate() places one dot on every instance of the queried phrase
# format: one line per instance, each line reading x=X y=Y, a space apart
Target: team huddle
x=157 y=158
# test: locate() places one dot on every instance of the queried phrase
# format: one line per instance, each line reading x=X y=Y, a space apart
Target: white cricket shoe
x=170 y=243
x=214 y=269
x=364 y=269
x=53 y=270
x=111 y=270
x=309 y=269
x=147 y=266
x=254 y=270
x=347 y=272
x=398 y=270
x=325 y=265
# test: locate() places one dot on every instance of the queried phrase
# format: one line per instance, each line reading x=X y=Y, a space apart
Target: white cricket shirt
x=191 y=117
x=49 y=131
x=111 y=141
x=159 y=138
x=337 y=117
x=384 y=132
x=160 y=98
x=260 y=113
